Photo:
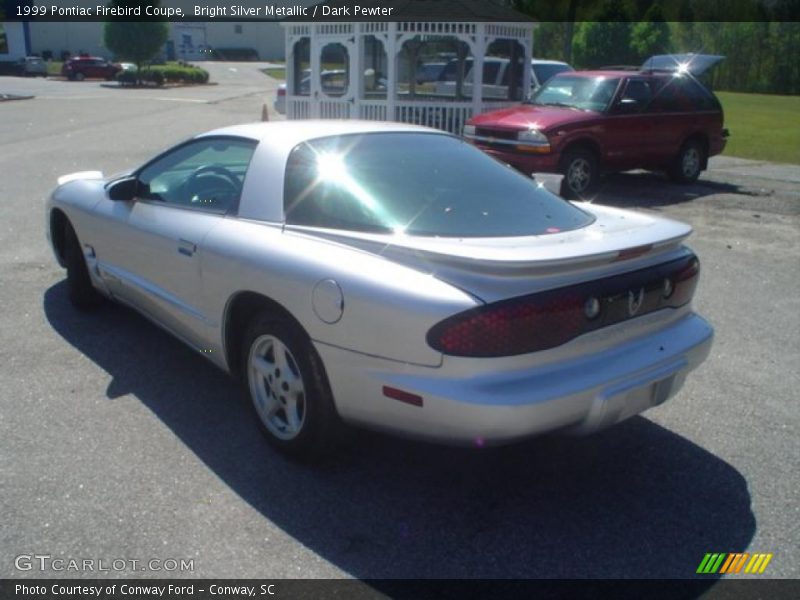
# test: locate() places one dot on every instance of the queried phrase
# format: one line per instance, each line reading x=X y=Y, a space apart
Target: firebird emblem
x=635 y=300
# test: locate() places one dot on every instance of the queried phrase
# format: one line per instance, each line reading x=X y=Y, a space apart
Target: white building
x=15 y=41
x=188 y=40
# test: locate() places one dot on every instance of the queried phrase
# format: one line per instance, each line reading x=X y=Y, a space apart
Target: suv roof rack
x=618 y=68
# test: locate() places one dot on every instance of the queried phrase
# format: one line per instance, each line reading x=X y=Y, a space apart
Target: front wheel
x=581 y=174
x=79 y=77
x=80 y=290
x=688 y=164
x=288 y=389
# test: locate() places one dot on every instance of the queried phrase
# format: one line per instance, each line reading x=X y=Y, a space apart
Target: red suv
x=83 y=67
x=583 y=123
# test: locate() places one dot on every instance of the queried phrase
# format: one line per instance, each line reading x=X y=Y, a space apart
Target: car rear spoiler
x=696 y=64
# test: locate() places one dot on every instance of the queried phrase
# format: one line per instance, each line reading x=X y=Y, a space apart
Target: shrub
x=158 y=75
x=126 y=77
x=155 y=76
x=181 y=74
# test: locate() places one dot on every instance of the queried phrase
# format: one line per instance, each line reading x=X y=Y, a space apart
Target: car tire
x=288 y=389
x=581 y=174
x=79 y=77
x=80 y=291
x=689 y=163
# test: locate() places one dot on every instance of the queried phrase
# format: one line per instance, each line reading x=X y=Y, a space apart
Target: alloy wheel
x=579 y=175
x=276 y=387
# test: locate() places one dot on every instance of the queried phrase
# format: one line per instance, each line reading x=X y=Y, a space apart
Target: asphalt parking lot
x=118 y=442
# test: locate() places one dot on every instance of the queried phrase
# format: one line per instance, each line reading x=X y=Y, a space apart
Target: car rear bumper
x=586 y=392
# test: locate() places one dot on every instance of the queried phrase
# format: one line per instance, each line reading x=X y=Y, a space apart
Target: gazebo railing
x=448 y=116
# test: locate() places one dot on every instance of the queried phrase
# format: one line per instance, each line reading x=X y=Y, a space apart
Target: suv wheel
x=79 y=76
x=581 y=174
x=689 y=163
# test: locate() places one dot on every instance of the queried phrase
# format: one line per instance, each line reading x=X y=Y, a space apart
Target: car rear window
x=423 y=184
x=545 y=71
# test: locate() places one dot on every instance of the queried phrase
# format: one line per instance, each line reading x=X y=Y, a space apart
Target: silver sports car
x=389 y=276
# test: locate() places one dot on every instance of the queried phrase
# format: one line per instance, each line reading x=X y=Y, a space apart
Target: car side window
x=639 y=91
x=681 y=94
x=204 y=174
x=699 y=97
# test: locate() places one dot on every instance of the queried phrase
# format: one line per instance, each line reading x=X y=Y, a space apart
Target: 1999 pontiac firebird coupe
x=389 y=276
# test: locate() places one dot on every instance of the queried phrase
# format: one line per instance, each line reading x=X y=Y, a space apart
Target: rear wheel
x=79 y=76
x=581 y=174
x=689 y=163
x=288 y=388
x=80 y=290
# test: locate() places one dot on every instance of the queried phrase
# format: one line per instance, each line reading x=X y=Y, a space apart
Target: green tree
x=553 y=37
x=606 y=39
x=652 y=35
x=135 y=41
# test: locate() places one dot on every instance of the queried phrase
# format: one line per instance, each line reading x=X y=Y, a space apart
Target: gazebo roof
x=436 y=10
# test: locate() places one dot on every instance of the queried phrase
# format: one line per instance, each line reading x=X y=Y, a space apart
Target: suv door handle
x=186 y=247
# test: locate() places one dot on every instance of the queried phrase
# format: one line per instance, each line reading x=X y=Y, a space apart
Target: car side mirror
x=123 y=190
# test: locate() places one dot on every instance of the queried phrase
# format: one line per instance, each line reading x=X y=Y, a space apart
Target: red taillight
x=685 y=282
x=551 y=318
x=281 y=91
x=512 y=327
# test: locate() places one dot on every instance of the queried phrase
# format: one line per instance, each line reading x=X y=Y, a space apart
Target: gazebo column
x=513 y=57
x=413 y=53
x=356 y=74
x=478 y=51
x=391 y=72
x=291 y=77
x=527 y=46
x=316 y=63
x=461 y=55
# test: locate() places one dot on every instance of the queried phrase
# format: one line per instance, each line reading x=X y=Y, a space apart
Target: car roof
x=607 y=73
x=295 y=132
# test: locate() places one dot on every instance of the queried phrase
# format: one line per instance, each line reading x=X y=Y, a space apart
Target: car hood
x=493 y=268
x=529 y=116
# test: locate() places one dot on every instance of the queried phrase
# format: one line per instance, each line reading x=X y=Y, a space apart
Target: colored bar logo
x=733 y=563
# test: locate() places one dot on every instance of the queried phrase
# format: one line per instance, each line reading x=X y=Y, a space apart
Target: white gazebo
x=434 y=73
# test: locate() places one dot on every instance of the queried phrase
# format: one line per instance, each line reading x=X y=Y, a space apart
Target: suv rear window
x=417 y=184
x=682 y=94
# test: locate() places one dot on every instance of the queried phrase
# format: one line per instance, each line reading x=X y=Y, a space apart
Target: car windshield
x=417 y=184
x=544 y=71
x=584 y=93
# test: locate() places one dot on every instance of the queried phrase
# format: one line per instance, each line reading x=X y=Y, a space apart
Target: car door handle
x=186 y=247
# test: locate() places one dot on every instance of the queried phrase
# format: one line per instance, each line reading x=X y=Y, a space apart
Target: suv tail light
x=553 y=317
x=281 y=91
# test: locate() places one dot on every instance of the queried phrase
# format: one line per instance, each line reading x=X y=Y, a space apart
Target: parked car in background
x=89 y=67
x=33 y=66
x=497 y=76
x=584 y=123
x=429 y=71
x=391 y=276
x=333 y=82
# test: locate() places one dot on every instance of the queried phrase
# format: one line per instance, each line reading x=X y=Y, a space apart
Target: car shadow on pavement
x=636 y=501
x=646 y=189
